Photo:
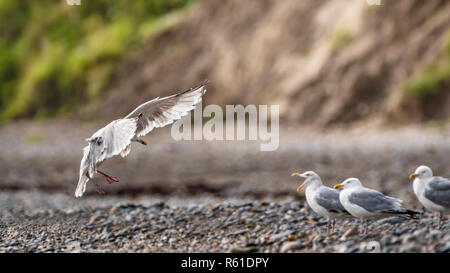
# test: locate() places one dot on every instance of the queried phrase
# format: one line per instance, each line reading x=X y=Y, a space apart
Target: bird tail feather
x=405 y=213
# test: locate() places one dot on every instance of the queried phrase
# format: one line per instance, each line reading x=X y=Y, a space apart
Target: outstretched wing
x=438 y=191
x=375 y=201
x=160 y=112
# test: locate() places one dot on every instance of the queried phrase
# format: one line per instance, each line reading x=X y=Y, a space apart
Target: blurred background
x=363 y=91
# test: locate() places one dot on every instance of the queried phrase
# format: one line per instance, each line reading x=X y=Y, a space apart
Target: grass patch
x=341 y=39
x=433 y=77
x=55 y=57
x=34 y=138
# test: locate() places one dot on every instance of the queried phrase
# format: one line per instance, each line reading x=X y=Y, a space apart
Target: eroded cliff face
x=325 y=62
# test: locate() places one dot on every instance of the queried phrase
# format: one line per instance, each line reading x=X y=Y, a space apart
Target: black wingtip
x=413 y=214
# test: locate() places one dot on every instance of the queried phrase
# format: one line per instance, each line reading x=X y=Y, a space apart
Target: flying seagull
x=432 y=191
x=323 y=200
x=116 y=137
x=367 y=204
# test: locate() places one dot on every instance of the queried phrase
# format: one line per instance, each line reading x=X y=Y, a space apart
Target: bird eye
x=99 y=141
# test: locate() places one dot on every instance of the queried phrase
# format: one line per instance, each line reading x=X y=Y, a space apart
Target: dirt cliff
x=324 y=62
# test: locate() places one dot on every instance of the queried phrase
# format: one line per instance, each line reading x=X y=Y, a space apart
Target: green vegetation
x=433 y=77
x=438 y=125
x=34 y=138
x=54 y=57
x=341 y=38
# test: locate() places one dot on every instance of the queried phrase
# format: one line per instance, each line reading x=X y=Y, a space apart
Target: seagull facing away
x=323 y=200
x=116 y=137
x=368 y=204
x=432 y=191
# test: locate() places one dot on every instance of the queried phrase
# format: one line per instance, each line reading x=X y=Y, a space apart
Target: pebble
x=350 y=232
x=435 y=234
x=224 y=227
x=282 y=235
x=444 y=248
x=391 y=220
x=287 y=246
x=242 y=249
x=93 y=219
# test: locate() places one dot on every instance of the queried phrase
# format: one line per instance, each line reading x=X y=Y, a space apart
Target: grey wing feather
x=439 y=183
x=375 y=201
x=438 y=191
x=160 y=112
x=329 y=199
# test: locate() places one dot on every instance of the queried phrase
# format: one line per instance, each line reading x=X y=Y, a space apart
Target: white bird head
x=311 y=178
x=349 y=183
x=94 y=151
x=422 y=172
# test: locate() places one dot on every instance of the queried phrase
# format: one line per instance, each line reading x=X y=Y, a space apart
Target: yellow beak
x=413 y=175
x=338 y=186
x=299 y=175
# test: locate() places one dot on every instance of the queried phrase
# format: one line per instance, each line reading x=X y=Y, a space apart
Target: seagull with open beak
x=323 y=200
x=433 y=192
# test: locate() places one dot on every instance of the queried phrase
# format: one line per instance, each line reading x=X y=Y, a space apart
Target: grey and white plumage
x=323 y=200
x=365 y=203
x=433 y=192
x=116 y=137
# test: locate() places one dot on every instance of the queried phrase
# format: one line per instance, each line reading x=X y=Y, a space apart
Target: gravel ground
x=200 y=196
x=149 y=225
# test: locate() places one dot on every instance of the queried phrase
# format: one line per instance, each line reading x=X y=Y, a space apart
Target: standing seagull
x=116 y=137
x=322 y=200
x=367 y=204
x=432 y=191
